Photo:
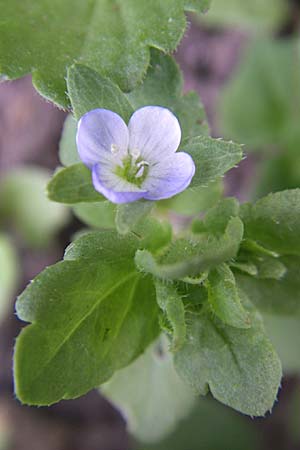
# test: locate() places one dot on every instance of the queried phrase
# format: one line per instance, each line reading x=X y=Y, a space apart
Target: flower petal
x=113 y=187
x=155 y=132
x=169 y=177
x=98 y=130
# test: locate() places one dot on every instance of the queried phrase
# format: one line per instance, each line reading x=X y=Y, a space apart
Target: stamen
x=140 y=172
x=142 y=163
x=135 y=153
x=141 y=168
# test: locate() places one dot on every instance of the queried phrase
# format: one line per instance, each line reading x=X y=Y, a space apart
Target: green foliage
x=257 y=15
x=91 y=315
x=113 y=38
x=275 y=296
x=68 y=153
x=238 y=366
x=73 y=184
x=224 y=298
x=274 y=222
x=96 y=215
x=130 y=214
x=163 y=86
x=269 y=113
x=212 y=157
x=185 y=257
x=217 y=217
x=170 y=302
x=153 y=234
x=150 y=394
x=89 y=90
x=9 y=273
x=23 y=202
x=194 y=200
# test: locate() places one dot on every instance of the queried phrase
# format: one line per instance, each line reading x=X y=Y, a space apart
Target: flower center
x=134 y=169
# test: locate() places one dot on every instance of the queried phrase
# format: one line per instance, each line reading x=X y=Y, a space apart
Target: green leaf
x=244 y=266
x=153 y=234
x=23 y=202
x=185 y=257
x=150 y=395
x=68 y=153
x=194 y=200
x=238 y=366
x=96 y=215
x=112 y=38
x=224 y=298
x=170 y=302
x=217 y=217
x=9 y=273
x=212 y=157
x=274 y=221
x=257 y=15
x=91 y=315
x=130 y=214
x=73 y=184
x=269 y=113
x=163 y=86
x=89 y=90
x=268 y=267
x=275 y=296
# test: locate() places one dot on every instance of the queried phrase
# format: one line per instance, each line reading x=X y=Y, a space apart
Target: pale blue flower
x=138 y=161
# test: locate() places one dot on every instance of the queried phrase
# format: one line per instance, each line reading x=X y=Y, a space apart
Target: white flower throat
x=133 y=168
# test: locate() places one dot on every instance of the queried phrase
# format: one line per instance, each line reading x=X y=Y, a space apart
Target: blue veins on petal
x=138 y=161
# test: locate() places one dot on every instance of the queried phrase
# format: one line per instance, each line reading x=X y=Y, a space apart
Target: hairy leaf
x=238 y=366
x=274 y=221
x=91 y=315
x=170 y=302
x=89 y=90
x=187 y=258
x=163 y=86
x=112 y=37
x=73 y=185
x=212 y=157
x=130 y=214
x=275 y=296
x=224 y=298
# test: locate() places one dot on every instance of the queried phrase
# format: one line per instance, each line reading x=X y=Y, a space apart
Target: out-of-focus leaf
x=9 y=272
x=257 y=15
x=150 y=394
x=261 y=105
x=24 y=202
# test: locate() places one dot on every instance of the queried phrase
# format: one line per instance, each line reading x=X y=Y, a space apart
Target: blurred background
x=243 y=58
